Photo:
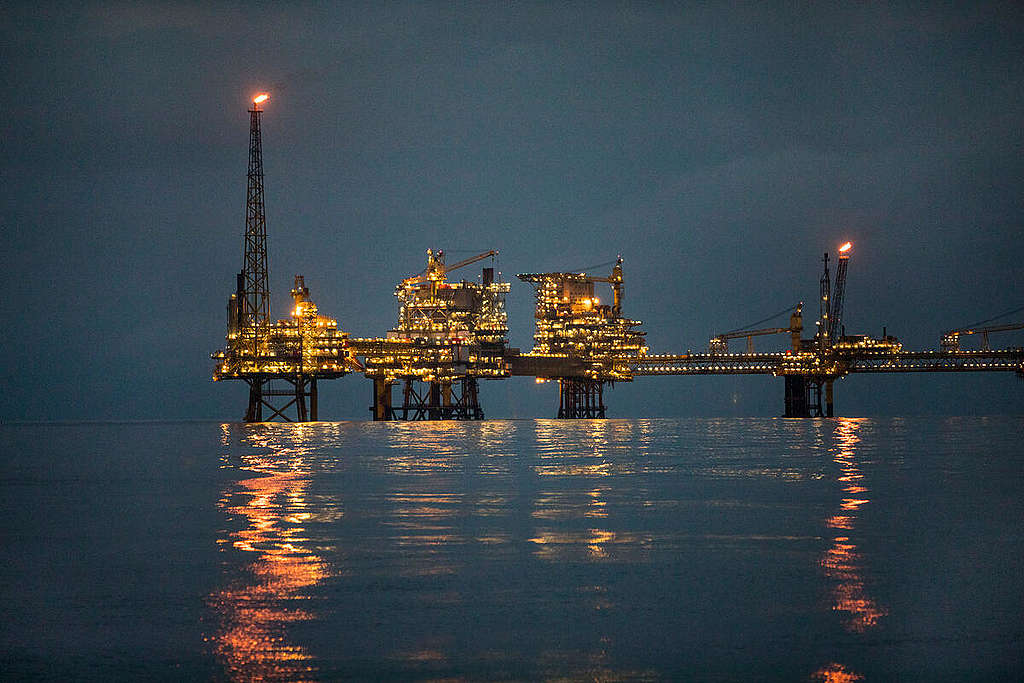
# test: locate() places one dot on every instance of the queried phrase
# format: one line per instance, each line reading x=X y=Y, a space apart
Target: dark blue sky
x=719 y=150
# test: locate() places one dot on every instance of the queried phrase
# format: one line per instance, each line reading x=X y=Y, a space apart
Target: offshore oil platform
x=449 y=335
x=280 y=361
x=580 y=342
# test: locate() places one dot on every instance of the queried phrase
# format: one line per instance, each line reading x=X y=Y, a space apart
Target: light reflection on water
x=271 y=592
x=591 y=549
x=843 y=562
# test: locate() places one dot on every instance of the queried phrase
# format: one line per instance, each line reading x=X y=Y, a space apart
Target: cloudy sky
x=719 y=149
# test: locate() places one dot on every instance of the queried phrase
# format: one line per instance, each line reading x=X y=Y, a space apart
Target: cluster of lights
x=571 y=322
x=306 y=342
x=445 y=331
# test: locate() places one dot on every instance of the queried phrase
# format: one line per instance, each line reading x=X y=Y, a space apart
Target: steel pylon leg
x=580 y=398
x=254 y=413
x=313 y=408
x=302 y=388
x=381 y=407
x=458 y=399
x=796 y=396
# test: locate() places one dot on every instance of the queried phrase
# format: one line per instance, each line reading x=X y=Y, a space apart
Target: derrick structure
x=281 y=361
x=448 y=336
x=579 y=341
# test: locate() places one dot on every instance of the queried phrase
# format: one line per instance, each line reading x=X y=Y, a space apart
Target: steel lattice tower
x=256 y=303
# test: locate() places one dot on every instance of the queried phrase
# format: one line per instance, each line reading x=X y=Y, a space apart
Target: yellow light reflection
x=256 y=609
x=842 y=562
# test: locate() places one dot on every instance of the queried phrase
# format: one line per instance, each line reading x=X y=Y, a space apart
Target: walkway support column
x=381 y=400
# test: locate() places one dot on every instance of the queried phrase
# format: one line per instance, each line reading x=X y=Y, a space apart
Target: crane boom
x=951 y=339
x=752 y=333
x=472 y=259
x=436 y=268
x=720 y=342
x=615 y=280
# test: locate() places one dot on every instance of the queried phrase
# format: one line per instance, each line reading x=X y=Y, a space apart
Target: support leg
x=254 y=413
x=434 y=401
x=580 y=398
x=407 y=396
x=313 y=413
x=300 y=399
x=381 y=399
x=446 y=401
x=471 y=399
x=796 y=396
x=814 y=408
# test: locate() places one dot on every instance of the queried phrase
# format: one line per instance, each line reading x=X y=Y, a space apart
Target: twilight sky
x=720 y=150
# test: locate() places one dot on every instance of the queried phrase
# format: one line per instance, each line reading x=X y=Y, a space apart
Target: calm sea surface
x=740 y=549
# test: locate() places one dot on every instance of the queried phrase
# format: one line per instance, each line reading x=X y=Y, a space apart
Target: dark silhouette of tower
x=255 y=305
x=255 y=296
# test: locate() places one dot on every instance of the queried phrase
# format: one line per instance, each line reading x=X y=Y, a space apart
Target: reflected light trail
x=835 y=673
x=842 y=562
x=256 y=609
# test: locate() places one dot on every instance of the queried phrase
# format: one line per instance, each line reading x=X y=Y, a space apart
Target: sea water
x=694 y=549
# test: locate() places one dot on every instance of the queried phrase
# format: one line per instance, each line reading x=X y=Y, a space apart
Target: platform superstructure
x=449 y=335
x=583 y=343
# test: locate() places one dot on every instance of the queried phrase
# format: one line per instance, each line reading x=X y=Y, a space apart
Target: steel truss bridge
x=809 y=376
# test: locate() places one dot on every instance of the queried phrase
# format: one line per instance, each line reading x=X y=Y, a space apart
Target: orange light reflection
x=835 y=673
x=842 y=562
x=255 y=612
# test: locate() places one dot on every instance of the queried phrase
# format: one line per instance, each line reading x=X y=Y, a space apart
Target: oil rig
x=580 y=342
x=280 y=361
x=449 y=335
